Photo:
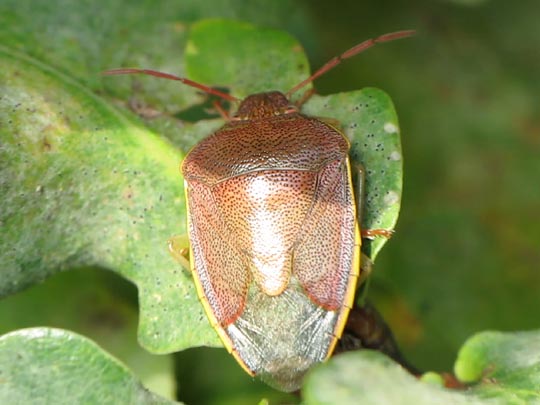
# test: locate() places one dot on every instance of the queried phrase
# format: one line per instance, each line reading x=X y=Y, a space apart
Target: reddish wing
x=219 y=268
x=323 y=259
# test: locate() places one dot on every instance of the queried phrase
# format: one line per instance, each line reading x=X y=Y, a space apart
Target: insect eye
x=237 y=117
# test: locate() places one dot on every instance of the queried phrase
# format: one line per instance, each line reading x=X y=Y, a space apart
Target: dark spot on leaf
x=128 y=193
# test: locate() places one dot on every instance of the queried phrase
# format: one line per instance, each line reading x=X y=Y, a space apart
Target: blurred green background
x=466 y=251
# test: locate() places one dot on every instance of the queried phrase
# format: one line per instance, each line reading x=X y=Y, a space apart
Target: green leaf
x=82 y=185
x=501 y=368
x=44 y=365
x=369 y=120
x=122 y=34
x=100 y=305
x=245 y=58
x=368 y=377
x=504 y=365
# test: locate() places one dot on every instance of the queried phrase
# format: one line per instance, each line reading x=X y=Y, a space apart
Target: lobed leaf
x=45 y=366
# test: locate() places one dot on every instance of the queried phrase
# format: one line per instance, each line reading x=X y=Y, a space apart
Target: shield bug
x=274 y=234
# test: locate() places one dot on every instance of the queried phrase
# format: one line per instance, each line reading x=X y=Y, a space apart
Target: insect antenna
x=150 y=72
x=355 y=50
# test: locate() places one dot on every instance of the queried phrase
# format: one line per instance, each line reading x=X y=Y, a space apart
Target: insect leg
x=179 y=249
x=359 y=196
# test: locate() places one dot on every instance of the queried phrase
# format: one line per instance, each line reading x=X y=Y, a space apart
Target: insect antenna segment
x=355 y=50
x=191 y=83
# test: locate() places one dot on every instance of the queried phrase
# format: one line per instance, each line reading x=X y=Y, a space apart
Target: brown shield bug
x=274 y=232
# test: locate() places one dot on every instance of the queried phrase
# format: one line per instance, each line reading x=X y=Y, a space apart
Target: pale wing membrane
x=281 y=337
x=323 y=258
x=219 y=267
